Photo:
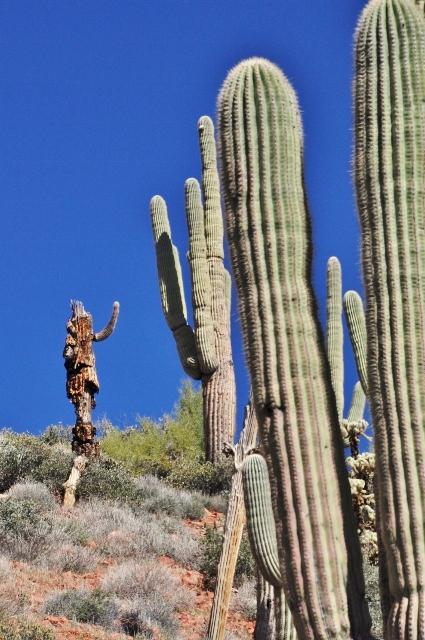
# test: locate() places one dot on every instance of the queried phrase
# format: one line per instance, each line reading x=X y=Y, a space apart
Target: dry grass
x=244 y=599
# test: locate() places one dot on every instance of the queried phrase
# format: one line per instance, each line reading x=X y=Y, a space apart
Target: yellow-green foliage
x=153 y=447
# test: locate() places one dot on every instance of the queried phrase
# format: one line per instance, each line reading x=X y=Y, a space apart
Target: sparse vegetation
x=95 y=607
x=211 y=544
x=122 y=522
x=24 y=631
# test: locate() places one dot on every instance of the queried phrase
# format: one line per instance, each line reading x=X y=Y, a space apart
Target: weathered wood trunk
x=235 y=520
x=81 y=386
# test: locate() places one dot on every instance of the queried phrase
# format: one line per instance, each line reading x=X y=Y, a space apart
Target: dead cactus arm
x=106 y=332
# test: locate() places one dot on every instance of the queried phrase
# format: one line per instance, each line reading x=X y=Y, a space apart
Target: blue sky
x=98 y=112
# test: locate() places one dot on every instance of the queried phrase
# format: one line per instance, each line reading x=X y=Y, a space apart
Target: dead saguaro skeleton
x=82 y=385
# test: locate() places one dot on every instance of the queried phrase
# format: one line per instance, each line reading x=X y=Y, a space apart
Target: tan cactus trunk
x=233 y=529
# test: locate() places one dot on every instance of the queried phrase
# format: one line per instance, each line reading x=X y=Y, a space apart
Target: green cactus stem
x=262 y=537
x=270 y=245
x=389 y=95
x=260 y=520
x=356 y=323
x=205 y=351
x=357 y=405
x=285 y=629
x=171 y=289
x=334 y=331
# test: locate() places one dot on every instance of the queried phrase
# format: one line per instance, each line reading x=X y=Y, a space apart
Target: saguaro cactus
x=262 y=537
x=353 y=426
x=270 y=245
x=354 y=314
x=390 y=183
x=205 y=352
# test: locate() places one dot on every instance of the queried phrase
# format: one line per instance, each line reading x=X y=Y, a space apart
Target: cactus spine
x=270 y=245
x=390 y=183
x=205 y=352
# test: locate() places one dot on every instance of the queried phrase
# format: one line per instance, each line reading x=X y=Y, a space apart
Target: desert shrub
x=149 y=594
x=154 y=447
x=211 y=544
x=123 y=532
x=57 y=434
x=73 y=531
x=24 y=529
x=244 y=599
x=33 y=492
x=13 y=601
x=160 y=497
x=15 y=630
x=147 y=579
x=27 y=457
x=73 y=558
x=109 y=480
x=140 y=617
x=201 y=476
x=92 y=607
x=18 y=515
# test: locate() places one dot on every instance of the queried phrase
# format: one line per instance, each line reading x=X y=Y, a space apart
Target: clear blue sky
x=99 y=108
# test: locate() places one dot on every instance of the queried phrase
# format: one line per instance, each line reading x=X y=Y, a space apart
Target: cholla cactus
x=205 y=352
x=362 y=473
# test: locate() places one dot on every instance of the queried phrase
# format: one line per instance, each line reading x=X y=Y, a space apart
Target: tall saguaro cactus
x=390 y=182
x=205 y=352
x=270 y=245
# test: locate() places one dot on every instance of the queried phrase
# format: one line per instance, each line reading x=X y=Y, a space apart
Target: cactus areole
x=270 y=245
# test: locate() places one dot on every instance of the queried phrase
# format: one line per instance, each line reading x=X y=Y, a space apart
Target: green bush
x=15 y=630
x=19 y=516
x=109 y=480
x=92 y=607
x=24 y=529
x=211 y=544
x=205 y=477
x=27 y=457
x=54 y=470
x=155 y=448
x=57 y=434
